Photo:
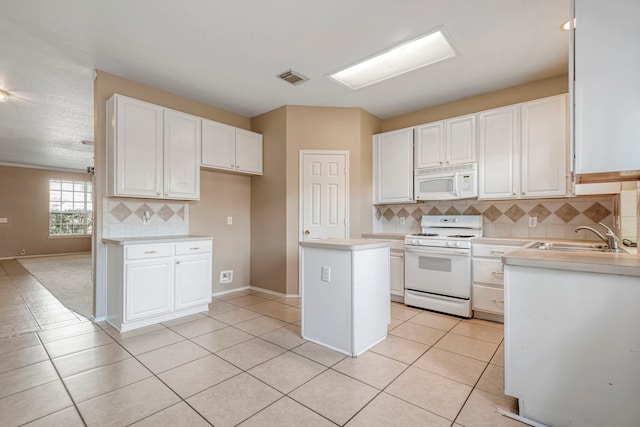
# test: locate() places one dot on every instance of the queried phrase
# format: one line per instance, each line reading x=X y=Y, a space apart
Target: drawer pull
x=151 y=252
x=498 y=273
x=194 y=249
x=494 y=252
x=498 y=301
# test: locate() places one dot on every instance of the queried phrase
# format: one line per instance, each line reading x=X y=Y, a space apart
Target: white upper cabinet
x=544 y=147
x=152 y=152
x=229 y=148
x=447 y=142
x=393 y=167
x=181 y=155
x=607 y=86
x=523 y=150
x=134 y=148
x=499 y=153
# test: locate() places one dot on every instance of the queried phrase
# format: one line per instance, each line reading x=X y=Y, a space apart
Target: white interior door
x=324 y=207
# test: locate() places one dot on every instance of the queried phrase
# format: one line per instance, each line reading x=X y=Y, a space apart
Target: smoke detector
x=293 y=77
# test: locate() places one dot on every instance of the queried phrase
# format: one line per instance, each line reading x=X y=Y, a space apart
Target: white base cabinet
x=148 y=283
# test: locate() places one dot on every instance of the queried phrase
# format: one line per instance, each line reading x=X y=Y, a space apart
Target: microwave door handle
x=456 y=184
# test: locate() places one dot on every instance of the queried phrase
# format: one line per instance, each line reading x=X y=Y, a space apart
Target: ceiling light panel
x=426 y=50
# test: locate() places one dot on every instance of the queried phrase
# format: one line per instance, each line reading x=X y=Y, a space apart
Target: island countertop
x=345 y=244
x=146 y=240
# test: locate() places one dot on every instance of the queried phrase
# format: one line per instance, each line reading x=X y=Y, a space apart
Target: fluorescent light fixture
x=4 y=95
x=426 y=50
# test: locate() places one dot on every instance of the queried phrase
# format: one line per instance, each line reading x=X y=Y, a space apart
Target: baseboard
x=270 y=292
x=43 y=255
x=229 y=291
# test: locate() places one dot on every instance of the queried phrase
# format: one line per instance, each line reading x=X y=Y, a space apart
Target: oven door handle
x=439 y=251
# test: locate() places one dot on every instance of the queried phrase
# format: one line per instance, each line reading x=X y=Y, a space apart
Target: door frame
x=301 y=187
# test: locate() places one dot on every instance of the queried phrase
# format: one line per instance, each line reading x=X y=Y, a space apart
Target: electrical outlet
x=533 y=221
x=402 y=220
x=4 y=220
x=226 y=276
x=229 y=220
x=326 y=274
x=23 y=252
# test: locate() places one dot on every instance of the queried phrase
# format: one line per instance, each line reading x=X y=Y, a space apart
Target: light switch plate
x=326 y=274
x=4 y=220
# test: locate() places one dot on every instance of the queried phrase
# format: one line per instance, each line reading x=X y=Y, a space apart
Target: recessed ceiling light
x=425 y=50
x=4 y=95
x=566 y=26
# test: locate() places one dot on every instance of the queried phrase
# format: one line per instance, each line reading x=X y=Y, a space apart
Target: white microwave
x=446 y=183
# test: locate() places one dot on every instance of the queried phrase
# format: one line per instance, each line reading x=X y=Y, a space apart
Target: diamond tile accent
x=540 y=211
x=596 y=212
x=567 y=212
x=388 y=214
x=471 y=210
x=378 y=213
x=180 y=213
x=514 y=213
x=141 y=210
x=452 y=211
x=417 y=214
x=403 y=213
x=166 y=213
x=434 y=211
x=121 y=211
x=492 y=213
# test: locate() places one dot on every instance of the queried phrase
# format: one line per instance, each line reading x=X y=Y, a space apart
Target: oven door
x=441 y=271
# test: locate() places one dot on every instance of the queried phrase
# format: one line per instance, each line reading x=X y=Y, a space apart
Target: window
x=70 y=208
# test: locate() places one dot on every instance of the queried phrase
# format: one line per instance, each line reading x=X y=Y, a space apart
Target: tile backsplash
x=556 y=218
x=126 y=218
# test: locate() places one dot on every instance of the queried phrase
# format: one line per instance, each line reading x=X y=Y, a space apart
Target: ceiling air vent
x=293 y=77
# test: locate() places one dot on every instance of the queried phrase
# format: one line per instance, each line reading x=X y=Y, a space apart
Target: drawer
x=485 y=298
x=488 y=271
x=194 y=247
x=149 y=251
x=492 y=251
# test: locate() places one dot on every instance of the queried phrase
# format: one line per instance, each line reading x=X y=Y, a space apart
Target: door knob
x=307 y=232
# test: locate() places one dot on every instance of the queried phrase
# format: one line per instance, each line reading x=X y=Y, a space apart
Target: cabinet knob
x=158 y=193
x=440 y=162
x=237 y=166
x=513 y=194
x=307 y=232
x=523 y=193
x=177 y=261
x=232 y=165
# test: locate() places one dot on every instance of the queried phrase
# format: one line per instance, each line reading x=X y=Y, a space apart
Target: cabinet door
x=460 y=137
x=148 y=288
x=193 y=280
x=393 y=167
x=218 y=145
x=498 y=145
x=397 y=274
x=248 y=152
x=138 y=148
x=544 y=147
x=182 y=137
x=430 y=149
x=607 y=105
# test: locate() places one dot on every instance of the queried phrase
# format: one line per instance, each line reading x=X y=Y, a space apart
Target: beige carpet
x=67 y=277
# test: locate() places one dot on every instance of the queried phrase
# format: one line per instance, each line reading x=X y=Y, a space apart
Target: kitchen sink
x=574 y=247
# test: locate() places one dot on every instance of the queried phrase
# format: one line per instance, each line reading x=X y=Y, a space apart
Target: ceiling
x=227 y=54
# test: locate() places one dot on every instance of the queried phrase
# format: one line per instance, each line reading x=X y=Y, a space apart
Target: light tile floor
x=241 y=363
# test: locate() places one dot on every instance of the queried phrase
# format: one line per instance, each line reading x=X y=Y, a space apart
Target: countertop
x=595 y=262
x=345 y=244
x=154 y=239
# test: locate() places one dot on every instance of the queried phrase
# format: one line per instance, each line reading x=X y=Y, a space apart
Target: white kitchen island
x=345 y=293
x=572 y=337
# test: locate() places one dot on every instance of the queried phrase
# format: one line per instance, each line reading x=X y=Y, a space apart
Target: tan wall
x=24 y=201
x=275 y=209
x=513 y=95
x=268 y=205
x=201 y=213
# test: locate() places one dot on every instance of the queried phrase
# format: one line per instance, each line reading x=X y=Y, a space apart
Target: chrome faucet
x=610 y=237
